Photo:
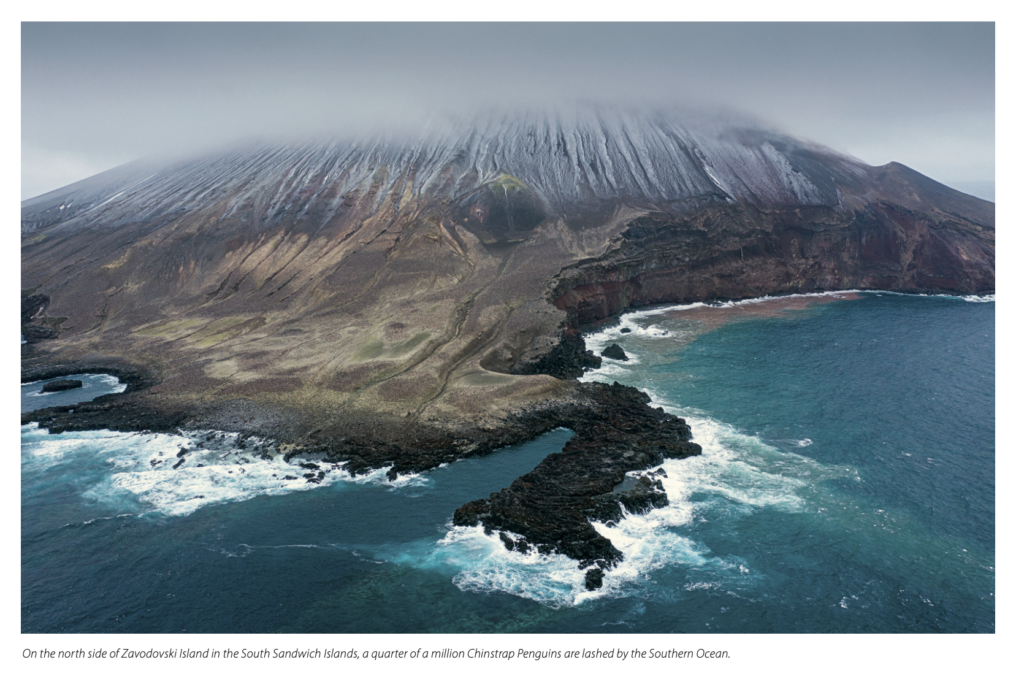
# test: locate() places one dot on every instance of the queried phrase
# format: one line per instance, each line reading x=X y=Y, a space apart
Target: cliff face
x=411 y=301
x=733 y=251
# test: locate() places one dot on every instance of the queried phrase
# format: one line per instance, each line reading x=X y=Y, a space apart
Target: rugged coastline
x=549 y=509
x=408 y=304
x=464 y=544
x=616 y=432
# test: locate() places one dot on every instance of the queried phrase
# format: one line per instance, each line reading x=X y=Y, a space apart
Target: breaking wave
x=735 y=475
x=634 y=324
x=176 y=474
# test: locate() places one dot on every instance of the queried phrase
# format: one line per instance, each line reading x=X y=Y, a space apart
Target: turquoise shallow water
x=847 y=485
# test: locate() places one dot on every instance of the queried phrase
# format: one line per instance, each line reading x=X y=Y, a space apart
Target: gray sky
x=98 y=95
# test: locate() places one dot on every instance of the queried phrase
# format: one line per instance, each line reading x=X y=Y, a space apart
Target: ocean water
x=847 y=484
x=93 y=385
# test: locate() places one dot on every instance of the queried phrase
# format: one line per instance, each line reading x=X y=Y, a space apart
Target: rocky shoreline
x=410 y=312
x=549 y=509
x=597 y=477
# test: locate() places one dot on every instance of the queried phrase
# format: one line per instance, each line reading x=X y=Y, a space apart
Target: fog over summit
x=97 y=95
x=567 y=159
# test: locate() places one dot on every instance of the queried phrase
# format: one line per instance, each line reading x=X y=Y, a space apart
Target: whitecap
x=736 y=474
x=485 y=565
x=987 y=298
x=148 y=469
x=632 y=320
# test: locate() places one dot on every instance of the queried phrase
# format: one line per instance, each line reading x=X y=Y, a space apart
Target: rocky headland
x=405 y=304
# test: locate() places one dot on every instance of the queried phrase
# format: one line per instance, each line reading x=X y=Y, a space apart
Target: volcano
x=404 y=301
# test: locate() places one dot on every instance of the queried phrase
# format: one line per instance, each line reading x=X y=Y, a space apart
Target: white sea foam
x=40 y=449
x=610 y=370
x=486 y=566
x=735 y=475
x=113 y=381
x=640 y=328
x=243 y=550
x=142 y=466
x=989 y=298
x=598 y=340
x=483 y=564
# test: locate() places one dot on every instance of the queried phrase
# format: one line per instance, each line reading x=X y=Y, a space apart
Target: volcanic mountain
x=406 y=301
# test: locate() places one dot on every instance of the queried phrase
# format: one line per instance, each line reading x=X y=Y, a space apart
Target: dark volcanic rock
x=625 y=330
x=729 y=252
x=514 y=544
x=35 y=324
x=119 y=412
x=569 y=359
x=552 y=506
x=614 y=351
x=594 y=579
x=637 y=495
x=61 y=385
x=501 y=211
x=407 y=302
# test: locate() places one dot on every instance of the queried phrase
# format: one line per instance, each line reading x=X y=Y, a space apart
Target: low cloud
x=99 y=92
x=43 y=170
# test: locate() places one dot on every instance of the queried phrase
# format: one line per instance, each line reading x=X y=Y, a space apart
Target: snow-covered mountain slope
x=569 y=160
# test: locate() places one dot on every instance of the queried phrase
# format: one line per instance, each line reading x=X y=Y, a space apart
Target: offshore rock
x=594 y=579
x=615 y=351
x=61 y=385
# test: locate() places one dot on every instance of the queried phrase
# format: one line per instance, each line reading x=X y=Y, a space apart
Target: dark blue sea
x=847 y=485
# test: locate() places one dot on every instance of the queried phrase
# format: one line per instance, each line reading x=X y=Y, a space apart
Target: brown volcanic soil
x=412 y=329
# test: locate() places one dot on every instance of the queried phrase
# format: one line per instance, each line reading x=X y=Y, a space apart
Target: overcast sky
x=98 y=95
